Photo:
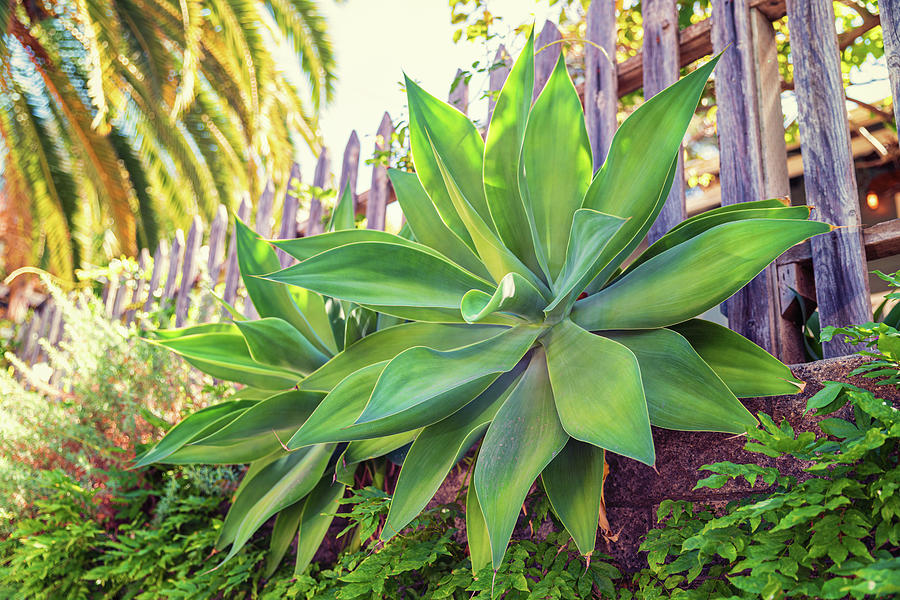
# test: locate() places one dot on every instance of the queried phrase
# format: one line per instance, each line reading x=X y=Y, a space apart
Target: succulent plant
x=515 y=315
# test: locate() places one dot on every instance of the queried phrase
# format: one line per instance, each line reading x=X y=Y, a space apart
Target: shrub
x=115 y=395
x=507 y=312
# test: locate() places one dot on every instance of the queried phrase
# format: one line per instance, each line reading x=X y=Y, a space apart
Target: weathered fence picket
x=660 y=56
x=601 y=96
x=289 y=207
x=548 y=49
x=376 y=208
x=232 y=274
x=314 y=222
x=497 y=77
x=890 y=27
x=459 y=92
x=829 y=176
x=188 y=270
x=350 y=168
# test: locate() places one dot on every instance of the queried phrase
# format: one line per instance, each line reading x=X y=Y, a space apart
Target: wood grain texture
x=545 y=56
x=842 y=286
x=601 y=93
x=880 y=241
x=661 y=69
x=216 y=255
x=264 y=210
x=890 y=27
x=232 y=271
x=350 y=168
x=379 y=192
x=499 y=72
x=320 y=179
x=752 y=311
x=289 y=208
x=176 y=254
x=459 y=92
x=160 y=261
x=189 y=270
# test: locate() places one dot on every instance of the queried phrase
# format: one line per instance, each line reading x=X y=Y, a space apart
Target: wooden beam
x=842 y=286
x=880 y=241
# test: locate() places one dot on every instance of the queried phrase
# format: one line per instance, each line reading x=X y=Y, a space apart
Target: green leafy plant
x=834 y=534
x=513 y=316
x=298 y=332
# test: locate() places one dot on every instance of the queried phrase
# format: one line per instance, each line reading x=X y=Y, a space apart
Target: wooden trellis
x=753 y=165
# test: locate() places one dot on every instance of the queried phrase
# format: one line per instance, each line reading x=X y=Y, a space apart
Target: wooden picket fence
x=831 y=271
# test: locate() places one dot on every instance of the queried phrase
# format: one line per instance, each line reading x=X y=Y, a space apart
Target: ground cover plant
x=505 y=311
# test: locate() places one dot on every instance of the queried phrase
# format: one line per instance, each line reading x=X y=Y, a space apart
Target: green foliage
x=834 y=533
x=118 y=393
x=489 y=319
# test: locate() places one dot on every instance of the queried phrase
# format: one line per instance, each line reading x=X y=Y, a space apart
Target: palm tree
x=122 y=118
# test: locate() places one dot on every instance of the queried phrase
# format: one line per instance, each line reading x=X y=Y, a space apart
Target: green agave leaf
x=259 y=431
x=172 y=334
x=456 y=138
x=427 y=225
x=607 y=409
x=523 y=438
x=682 y=391
x=496 y=257
x=339 y=410
x=357 y=324
x=343 y=217
x=692 y=277
x=686 y=231
x=274 y=341
x=306 y=247
x=252 y=470
x=193 y=427
x=313 y=307
x=363 y=450
x=555 y=167
x=591 y=233
x=501 y=158
x=574 y=485
x=747 y=370
x=274 y=488
x=385 y=344
x=437 y=448
x=256 y=258
x=447 y=316
x=319 y=509
x=476 y=532
x=641 y=160
x=383 y=273
x=223 y=353
x=286 y=524
x=422 y=376
x=514 y=296
x=727 y=208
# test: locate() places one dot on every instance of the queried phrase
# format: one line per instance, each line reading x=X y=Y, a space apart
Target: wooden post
x=753 y=159
x=350 y=168
x=175 y=256
x=459 y=92
x=314 y=223
x=499 y=72
x=264 y=210
x=140 y=284
x=160 y=260
x=123 y=292
x=378 y=193
x=188 y=270
x=55 y=330
x=660 y=60
x=842 y=286
x=601 y=98
x=232 y=270
x=110 y=292
x=288 y=228
x=216 y=255
x=890 y=27
x=546 y=58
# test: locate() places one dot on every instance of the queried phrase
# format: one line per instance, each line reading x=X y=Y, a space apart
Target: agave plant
x=297 y=333
x=524 y=324
x=507 y=318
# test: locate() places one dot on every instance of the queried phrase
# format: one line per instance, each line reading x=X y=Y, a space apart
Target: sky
x=376 y=41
